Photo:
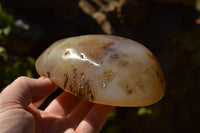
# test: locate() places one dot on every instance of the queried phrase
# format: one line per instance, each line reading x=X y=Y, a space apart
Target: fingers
x=77 y=115
x=63 y=104
x=95 y=119
x=25 y=90
x=84 y=117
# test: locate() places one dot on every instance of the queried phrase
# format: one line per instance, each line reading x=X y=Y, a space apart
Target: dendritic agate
x=104 y=69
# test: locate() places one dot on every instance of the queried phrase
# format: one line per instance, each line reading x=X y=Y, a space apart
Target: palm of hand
x=66 y=113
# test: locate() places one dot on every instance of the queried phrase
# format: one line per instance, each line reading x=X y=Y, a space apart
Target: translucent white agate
x=104 y=69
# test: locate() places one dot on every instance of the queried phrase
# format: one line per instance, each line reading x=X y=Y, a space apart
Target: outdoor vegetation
x=169 y=28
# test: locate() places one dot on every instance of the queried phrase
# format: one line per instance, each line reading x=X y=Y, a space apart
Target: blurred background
x=169 y=28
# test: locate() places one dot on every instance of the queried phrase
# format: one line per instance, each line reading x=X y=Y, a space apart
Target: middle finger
x=63 y=104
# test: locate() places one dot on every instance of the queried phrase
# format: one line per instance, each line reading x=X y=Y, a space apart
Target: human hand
x=19 y=111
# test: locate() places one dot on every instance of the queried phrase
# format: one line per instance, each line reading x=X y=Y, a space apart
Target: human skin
x=19 y=111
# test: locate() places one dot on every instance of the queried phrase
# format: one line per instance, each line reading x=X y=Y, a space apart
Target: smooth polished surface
x=104 y=69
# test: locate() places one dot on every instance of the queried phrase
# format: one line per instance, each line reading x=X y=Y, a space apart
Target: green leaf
x=153 y=111
x=3 y=53
x=31 y=61
x=6 y=22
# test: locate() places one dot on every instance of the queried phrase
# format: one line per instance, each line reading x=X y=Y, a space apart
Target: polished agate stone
x=104 y=69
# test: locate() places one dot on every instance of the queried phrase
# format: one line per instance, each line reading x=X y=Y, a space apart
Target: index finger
x=24 y=91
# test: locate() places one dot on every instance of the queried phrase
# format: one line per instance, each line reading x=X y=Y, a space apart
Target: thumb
x=25 y=90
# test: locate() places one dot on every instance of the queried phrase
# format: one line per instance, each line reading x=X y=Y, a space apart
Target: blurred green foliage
x=6 y=22
x=11 y=66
